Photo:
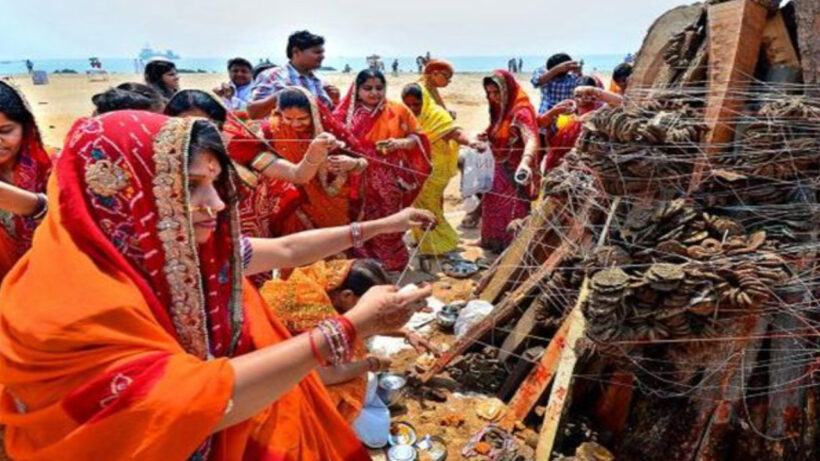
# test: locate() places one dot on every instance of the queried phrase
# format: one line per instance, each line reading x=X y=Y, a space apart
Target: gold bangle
x=262 y=161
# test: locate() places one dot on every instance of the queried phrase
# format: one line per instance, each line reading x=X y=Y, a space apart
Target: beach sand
x=68 y=97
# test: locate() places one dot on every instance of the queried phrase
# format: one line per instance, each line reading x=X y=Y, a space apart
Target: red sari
x=564 y=138
x=392 y=180
x=507 y=201
x=30 y=172
x=125 y=356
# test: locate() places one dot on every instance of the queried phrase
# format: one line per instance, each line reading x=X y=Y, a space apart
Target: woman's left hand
x=409 y=218
x=338 y=164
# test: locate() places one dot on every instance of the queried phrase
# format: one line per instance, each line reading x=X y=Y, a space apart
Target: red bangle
x=315 y=350
x=349 y=328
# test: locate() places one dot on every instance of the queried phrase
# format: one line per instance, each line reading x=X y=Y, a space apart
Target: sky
x=41 y=29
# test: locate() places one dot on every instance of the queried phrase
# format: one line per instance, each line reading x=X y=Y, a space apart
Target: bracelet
x=350 y=330
x=262 y=161
x=338 y=340
x=42 y=208
x=356 y=234
x=246 y=250
x=315 y=350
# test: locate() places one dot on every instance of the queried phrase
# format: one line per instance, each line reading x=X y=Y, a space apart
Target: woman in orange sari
x=152 y=346
x=398 y=156
x=313 y=293
x=325 y=199
x=24 y=169
x=513 y=138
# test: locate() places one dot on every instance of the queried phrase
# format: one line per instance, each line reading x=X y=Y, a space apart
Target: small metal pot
x=402 y=453
x=447 y=316
x=392 y=388
x=434 y=446
x=402 y=433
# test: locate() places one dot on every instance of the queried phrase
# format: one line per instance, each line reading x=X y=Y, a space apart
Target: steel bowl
x=402 y=433
x=392 y=388
x=402 y=453
x=433 y=446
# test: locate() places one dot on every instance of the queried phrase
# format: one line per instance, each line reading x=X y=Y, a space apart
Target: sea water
x=592 y=63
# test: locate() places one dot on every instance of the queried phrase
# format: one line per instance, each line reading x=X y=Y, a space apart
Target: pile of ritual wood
x=661 y=301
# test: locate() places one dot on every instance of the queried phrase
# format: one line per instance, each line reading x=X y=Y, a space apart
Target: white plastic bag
x=477 y=172
x=472 y=313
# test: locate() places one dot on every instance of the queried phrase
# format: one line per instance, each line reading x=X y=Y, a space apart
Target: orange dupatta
x=301 y=302
x=325 y=198
x=96 y=363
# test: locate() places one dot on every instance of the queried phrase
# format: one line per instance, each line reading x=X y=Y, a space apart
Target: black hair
x=489 y=80
x=261 y=68
x=154 y=71
x=412 y=89
x=292 y=98
x=622 y=71
x=186 y=100
x=205 y=136
x=241 y=62
x=366 y=74
x=587 y=80
x=364 y=274
x=303 y=40
x=556 y=59
x=14 y=107
x=134 y=96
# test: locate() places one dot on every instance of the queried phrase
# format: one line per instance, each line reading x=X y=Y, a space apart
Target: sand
x=68 y=97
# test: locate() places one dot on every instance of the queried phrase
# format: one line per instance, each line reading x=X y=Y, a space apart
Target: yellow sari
x=437 y=123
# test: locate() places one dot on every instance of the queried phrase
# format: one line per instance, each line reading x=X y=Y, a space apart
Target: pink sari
x=507 y=201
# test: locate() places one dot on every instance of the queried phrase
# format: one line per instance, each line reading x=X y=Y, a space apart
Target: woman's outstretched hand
x=409 y=218
x=383 y=309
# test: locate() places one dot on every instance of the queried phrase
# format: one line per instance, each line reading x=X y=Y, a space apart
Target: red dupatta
x=509 y=121
x=30 y=172
x=123 y=183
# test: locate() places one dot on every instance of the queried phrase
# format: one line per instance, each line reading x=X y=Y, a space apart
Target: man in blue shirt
x=556 y=81
x=305 y=52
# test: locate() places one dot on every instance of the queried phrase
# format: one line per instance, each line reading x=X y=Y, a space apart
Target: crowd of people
x=193 y=275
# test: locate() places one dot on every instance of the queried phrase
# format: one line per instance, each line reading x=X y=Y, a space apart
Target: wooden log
x=735 y=31
x=521 y=331
x=507 y=307
x=649 y=63
x=807 y=13
x=733 y=381
x=510 y=269
x=577 y=236
x=612 y=411
x=777 y=44
x=537 y=381
x=559 y=397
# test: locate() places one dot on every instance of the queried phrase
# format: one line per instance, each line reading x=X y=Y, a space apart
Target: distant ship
x=148 y=53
